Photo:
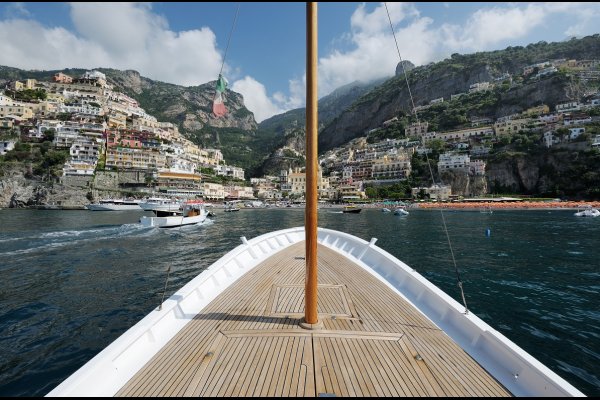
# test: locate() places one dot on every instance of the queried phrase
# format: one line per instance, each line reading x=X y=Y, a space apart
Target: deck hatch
x=288 y=301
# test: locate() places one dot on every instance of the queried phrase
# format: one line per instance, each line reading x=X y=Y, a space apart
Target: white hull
x=400 y=211
x=113 y=207
x=174 y=221
x=518 y=371
x=588 y=213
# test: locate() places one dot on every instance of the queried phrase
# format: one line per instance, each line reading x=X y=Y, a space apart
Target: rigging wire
x=460 y=284
x=229 y=38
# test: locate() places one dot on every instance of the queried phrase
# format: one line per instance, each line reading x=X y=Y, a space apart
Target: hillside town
x=106 y=130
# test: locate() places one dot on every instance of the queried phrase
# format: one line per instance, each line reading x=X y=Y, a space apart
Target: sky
x=187 y=43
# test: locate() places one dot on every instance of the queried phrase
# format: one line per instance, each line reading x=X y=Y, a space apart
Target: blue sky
x=184 y=43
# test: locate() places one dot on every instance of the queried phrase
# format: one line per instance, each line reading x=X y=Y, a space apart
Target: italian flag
x=219 y=102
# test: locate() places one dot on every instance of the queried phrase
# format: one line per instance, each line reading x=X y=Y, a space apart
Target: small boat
x=352 y=209
x=160 y=204
x=400 y=211
x=115 y=205
x=192 y=213
x=386 y=210
x=587 y=212
x=231 y=209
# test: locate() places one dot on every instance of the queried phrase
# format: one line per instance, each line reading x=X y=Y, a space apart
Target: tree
x=49 y=135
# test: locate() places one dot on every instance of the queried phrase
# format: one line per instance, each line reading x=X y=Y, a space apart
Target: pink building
x=62 y=78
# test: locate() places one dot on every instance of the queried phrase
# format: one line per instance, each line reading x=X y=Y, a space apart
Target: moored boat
x=400 y=211
x=351 y=209
x=115 y=205
x=587 y=212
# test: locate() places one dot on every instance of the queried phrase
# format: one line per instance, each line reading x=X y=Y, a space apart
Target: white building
x=6 y=146
x=569 y=106
x=417 y=129
x=479 y=87
x=574 y=133
x=392 y=166
x=228 y=170
x=213 y=191
x=576 y=119
x=477 y=167
x=549 y=139
x=452 y=161
x=437 y=192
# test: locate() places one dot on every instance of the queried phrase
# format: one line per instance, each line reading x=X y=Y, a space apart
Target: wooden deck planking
x=232 y=348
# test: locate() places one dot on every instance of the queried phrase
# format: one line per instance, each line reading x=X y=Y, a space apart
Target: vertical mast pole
x=310 y=218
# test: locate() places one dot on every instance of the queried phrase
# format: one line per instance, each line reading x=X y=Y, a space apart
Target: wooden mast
x=310 y=218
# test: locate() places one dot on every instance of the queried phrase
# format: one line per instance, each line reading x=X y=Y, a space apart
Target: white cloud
x=115 y=35
x=17 y=10
x=485 y=28
x=132 y=36
x=256 y=98
x=374 y=54
x=423 y=40
x=49 y=45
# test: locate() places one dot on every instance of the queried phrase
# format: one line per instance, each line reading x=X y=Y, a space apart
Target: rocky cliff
x=18 y=192
x=568 y=170
x=392 y=99
x=464 y=184
x=455 y=75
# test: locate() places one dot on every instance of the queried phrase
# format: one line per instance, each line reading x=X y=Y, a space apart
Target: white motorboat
x=160 y=204
x=400 y=211
x=386 y=210
x=192 y=213
x=587 y=212
x=115 y=205
x=241 y=328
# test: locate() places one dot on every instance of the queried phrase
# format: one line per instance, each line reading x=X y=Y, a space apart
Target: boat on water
x=352 y=209
x=386 y=210
x=587 y=212
x=160 y=204
x=400 y=211
x=115 y=205
x=309 y=311
x=190 y=214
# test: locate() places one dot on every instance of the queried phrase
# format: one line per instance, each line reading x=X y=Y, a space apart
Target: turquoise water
x=73 y=281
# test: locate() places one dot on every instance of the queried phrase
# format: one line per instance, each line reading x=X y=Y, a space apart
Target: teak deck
x=248 y=341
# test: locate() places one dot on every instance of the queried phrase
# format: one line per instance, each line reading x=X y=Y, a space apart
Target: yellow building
x=297 y=180
x=512 y=126
x=538 y=110
x=19 y=111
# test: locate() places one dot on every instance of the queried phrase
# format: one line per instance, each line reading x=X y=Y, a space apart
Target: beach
x=515 y=205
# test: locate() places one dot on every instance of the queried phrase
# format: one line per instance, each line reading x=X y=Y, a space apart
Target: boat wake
x=52 y=240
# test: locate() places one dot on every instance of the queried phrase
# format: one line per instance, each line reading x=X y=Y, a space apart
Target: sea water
x=73 y=281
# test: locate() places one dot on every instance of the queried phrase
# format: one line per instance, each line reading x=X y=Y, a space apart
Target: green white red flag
x=219 y=102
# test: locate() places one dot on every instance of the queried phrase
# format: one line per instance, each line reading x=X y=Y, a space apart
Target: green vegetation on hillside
x=40 y=160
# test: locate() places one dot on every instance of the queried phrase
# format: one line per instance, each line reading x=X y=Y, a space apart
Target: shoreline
x=466 y=206
x=522 y=205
